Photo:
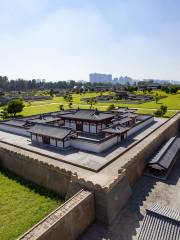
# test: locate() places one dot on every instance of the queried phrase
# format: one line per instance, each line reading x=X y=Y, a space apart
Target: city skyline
x=70 y=39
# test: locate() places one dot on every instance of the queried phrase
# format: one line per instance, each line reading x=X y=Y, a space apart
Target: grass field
x=172 y=102
x=22 y=205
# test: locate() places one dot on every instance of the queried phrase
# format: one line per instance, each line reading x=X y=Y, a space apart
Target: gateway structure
x=89 y=130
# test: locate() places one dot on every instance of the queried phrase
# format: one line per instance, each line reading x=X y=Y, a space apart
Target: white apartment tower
x=99 y=77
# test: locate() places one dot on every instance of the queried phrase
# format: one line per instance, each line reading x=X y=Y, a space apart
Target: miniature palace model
x=89 y=130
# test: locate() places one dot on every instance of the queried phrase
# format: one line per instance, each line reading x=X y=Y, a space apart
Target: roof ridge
x=52 y=126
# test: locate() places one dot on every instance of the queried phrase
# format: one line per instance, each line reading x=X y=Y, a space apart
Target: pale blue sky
x=68 y=39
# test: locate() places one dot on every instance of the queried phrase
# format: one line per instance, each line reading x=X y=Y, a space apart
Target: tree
x=131 y=88
x=173 y=89
x=158 y=113
x=68 y=98
x=4 y=113
x=145 y=90
x=51 y=93
x=149 y=90
x=163 y=108
x=70 y=105
x=111 y=107
x=92 y=101
x=4 y=82
x=157 y=98
x=15 y=106
x=61 y=107
x=161 y=112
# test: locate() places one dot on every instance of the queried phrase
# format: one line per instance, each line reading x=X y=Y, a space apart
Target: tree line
x=34 y=84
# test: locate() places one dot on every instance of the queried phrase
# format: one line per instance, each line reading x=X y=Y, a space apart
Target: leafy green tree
x=173 y=89
x=4 y=113
x=131 y=88
x=161 y=112
x=51 y=93
x=158 y=113
x=15 y=106
x=149 y=90
x=91 y=101
x=61 y=107
x=68 y=98
x=157 y=98
x=144 y=90
x=163 y=108
x=70 y=105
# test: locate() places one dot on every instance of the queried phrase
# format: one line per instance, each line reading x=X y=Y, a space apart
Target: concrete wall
x=39 y=139
x=70 y=124
x=140 y=126
x=145 y=150
x=67 y=222
x=33 y=137
x=53 y=142
x=16 y=130
x=35 y=171
x=93 y=146
x=109 y=203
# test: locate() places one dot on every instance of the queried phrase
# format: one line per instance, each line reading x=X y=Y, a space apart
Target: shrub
x=111 y=107
x=161 y=112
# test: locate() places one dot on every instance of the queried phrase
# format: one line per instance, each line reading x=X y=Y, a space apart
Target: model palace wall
x=110 y=199
x=146 y=149
x=67 y=222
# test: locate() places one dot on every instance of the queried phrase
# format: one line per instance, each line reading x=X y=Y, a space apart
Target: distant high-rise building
x=116 y=80
x=126 y=80
x=99 y=77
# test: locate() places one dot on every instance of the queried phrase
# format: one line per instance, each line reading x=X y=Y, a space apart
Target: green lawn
x=22 y=204
x=172 y=101
x=169 y=114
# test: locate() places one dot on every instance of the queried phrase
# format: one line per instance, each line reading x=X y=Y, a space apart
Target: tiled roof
x=50 y=131
x=15 y=123
x=44 y=119
x=160 y=223
x=124 y=120
x=116 y=129
x=88 y=115
x=167 y=153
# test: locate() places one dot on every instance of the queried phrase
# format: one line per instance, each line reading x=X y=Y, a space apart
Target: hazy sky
x=68 y=39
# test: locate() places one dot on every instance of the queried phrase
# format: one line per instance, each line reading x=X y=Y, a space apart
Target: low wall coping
x=54 y=217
